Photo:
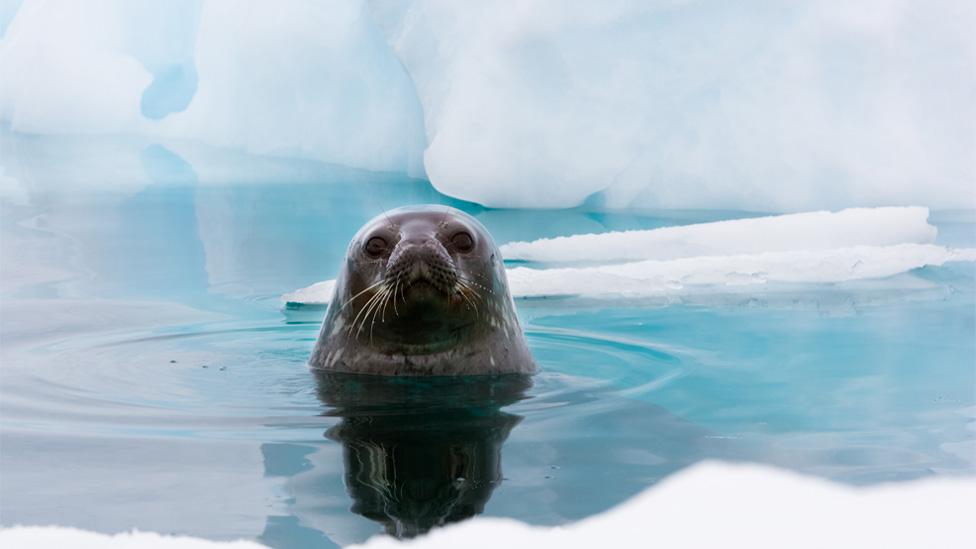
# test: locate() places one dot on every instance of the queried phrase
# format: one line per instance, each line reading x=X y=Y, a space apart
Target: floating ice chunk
x=754 y=505
x=60 y=536
x=318 y=293
x=688 y=275
x=802 y=231
x=677 y=276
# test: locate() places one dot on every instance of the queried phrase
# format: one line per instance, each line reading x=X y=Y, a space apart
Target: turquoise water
x=150 y=379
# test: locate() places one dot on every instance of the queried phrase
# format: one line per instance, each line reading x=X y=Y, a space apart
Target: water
x=150 y=380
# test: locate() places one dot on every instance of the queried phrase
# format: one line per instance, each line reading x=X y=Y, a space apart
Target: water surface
x=150 y=379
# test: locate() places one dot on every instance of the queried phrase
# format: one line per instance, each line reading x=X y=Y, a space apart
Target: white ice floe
x=689 y=275
x=802 y=231
x=51 y=537
x=712 y=504
x=676 y=276
x=722 y=505
x=814 y=248
x=319 y=293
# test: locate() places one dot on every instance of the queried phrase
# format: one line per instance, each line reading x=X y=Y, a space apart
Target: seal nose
x=422 y=259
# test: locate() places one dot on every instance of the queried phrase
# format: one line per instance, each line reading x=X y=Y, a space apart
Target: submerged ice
x=711 y=104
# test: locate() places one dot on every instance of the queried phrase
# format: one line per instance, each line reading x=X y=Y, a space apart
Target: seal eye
x=375 y=246
x=462 y=242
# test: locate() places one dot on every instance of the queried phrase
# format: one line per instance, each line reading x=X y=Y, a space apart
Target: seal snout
x=422 y=263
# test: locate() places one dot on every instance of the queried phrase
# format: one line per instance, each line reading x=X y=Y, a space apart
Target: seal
x=422 y=292
x=420 y=452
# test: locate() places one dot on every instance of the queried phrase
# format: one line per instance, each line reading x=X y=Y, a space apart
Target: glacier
x=778 y=107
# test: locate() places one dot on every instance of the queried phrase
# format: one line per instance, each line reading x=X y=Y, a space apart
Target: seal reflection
x=420 y=452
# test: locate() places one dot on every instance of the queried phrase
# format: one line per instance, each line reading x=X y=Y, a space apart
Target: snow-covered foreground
x=57 y=537
x=712 y=504
x=807 y=248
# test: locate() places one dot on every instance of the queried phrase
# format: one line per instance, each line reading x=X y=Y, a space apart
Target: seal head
x=422 y=291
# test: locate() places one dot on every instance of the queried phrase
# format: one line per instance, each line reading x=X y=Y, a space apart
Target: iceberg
x=545 y=103
x=736 y=105
x=294 y=79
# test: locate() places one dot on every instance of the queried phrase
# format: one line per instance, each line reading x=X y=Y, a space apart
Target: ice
x=318 y=293
x=59 y=536
x=690 y=275
x=302 y=79
x=295 y=79
x=712 y=503
x=681 y=276
x=803 y=231
x=64 y=70
x=818 y=514
x=738 y=105
x=546 y=103
x=805 y=248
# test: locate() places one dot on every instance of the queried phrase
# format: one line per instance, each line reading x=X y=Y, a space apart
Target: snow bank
x=41 y=537
x=720 y=505
x=543 y=103
x=803 y=231
x=712 y=504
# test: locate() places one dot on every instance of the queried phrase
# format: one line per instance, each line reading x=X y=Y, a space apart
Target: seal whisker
x=376 y=309
x=348 y=301
x=464 y=290
x=363 y=310
x=396 y=286
x=371 y=312
x=386 y=301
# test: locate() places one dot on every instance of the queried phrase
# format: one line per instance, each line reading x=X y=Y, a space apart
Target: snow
x=677 y=276
x=718 y=505
x=44 y=537
x=804 y=231
x=711 y=504
x=544 y=103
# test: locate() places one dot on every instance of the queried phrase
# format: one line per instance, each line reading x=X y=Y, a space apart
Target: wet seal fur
x=422 y=292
